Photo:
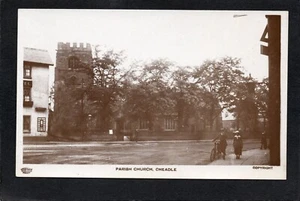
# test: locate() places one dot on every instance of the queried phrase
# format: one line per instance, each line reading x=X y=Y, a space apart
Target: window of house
x=27 y=71
x=27 y=94
x=143 y=124
x=27 y=83
x=73 y=62
x=26 y=123
x=170 y=124
x=41 y=124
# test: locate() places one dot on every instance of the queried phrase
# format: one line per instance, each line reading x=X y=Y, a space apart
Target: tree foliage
x=148 y=95
x=219 y=80
x=105 y=91
x=261 y=99
x=147 y=90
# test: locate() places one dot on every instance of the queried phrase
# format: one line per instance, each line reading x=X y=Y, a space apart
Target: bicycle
x=215 y=152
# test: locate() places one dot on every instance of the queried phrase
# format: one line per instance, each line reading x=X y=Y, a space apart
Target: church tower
x=73 y=76
x=73 y=62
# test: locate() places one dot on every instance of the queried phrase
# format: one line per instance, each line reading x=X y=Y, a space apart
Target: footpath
x=249 y=157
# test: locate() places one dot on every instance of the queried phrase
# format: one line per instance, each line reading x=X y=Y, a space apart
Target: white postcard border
x=182 y=171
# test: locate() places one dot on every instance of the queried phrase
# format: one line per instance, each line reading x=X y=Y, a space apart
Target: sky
x=186 y=38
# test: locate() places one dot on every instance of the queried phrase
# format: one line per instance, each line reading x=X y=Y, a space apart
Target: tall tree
x=147 y=96
x=184 y=94
x=106 y=86
x=244 y=106
x=219 y=79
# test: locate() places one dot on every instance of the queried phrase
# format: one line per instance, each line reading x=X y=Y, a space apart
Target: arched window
x=73 y=62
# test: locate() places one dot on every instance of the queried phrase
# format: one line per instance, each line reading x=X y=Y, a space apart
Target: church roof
x=37 y=56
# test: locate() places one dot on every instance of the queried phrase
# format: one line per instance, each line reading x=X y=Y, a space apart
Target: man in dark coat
x=223 y=143
x=237 y=144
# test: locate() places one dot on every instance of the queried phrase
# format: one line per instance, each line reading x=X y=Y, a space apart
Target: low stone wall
x=27 y=139
x=105 y=137
x=167 y=135
x=161 y=138
x=142 y=136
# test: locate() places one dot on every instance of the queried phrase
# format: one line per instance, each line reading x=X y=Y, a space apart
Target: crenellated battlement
x=74 y=46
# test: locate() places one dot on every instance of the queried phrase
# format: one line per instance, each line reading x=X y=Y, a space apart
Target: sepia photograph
x=176 y=94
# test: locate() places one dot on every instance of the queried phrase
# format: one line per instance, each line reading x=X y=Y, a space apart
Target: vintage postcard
x=173 y=94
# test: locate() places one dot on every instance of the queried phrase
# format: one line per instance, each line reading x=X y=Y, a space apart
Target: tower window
x=73 y=62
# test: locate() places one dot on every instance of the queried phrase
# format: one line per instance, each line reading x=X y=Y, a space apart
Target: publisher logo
x=26 y=170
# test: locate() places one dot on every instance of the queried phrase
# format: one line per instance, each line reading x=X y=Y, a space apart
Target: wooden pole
x=274 y=53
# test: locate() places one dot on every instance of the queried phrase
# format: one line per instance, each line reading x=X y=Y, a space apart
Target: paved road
x=134 y=153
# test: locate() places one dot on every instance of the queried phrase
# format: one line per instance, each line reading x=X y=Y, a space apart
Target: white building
x=36 y=64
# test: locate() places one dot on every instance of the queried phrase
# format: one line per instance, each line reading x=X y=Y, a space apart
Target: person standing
x=223 y=143
x=237 y=144
x=264 y=143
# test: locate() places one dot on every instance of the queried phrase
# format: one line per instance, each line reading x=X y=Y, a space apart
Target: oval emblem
x=26 y=170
